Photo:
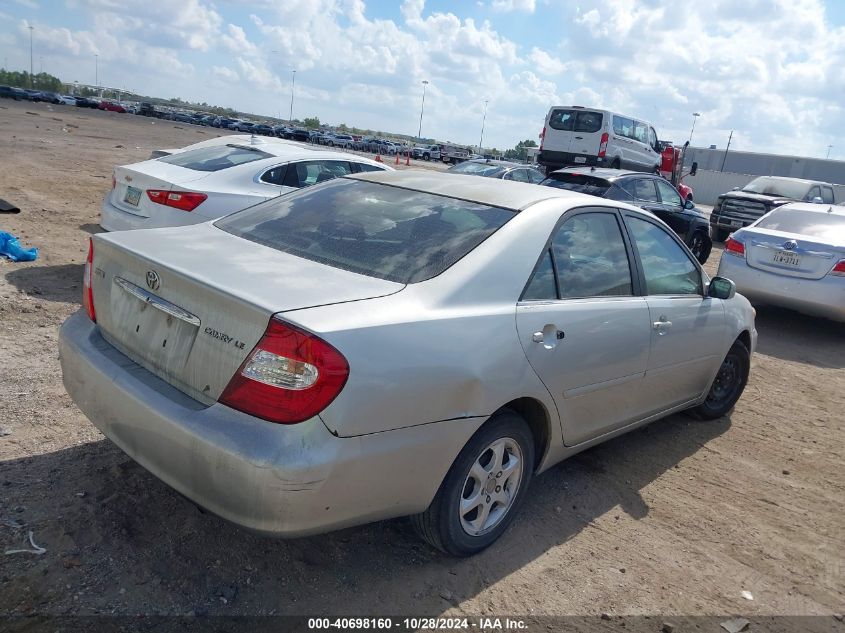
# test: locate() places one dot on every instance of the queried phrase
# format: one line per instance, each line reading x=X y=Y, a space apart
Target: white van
x=574 y=135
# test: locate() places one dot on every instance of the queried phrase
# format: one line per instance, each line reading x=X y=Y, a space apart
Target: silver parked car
x=793 y=257
x=396 y=343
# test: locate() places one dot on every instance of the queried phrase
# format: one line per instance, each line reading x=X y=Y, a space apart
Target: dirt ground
x=680 y=517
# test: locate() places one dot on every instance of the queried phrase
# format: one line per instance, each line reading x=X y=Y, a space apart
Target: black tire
x=426 y=156
x=440 y=525
x=689 y=197
x=720 y=235
x=616 y=164
x=700 y=245
x=727 y=386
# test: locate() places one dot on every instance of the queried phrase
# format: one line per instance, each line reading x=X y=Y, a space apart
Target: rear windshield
x=215 y=158
x=580 y=183
x=368 y=228
x=769 y=186
x=823 y=226
x=576 y=120
x=477 y=169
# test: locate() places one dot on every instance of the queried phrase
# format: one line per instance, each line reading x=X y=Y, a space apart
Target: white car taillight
x=839 y=269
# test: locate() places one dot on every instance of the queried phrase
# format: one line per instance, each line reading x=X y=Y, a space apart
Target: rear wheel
x=728 y=385
x=483 y=490
x=616 y=164
x=426 y=156
x=700 y=246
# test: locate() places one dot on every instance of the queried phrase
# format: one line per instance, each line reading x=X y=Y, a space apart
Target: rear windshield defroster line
x=370 y=228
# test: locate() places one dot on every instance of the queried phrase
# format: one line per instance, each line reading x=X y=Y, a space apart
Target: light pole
x=695 y=116
x=31 y=29
x=422 y=107
x=829 y=147
x=292 y=86
x=483 y=119
x=97 y=71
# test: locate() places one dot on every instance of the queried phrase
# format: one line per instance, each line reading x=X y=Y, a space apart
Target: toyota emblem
x=153 y=280
x=790 y=244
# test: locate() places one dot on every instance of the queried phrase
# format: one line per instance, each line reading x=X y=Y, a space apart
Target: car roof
x=508 y=194
x=601 y=172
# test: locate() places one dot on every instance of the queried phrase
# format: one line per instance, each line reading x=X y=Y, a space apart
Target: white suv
x=573 y=135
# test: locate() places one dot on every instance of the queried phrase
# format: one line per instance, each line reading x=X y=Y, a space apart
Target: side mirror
x=694 y=169
x=721 y=288
x=735 y=189
x=689 y=204
x=817 y=200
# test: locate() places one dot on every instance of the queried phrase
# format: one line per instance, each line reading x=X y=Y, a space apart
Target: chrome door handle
x=662 y=325
x=537 y=337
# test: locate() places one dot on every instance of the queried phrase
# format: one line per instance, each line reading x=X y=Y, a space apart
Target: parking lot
x=680 y=517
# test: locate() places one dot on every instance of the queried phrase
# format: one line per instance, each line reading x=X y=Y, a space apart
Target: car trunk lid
x=189 y=303
x=789 y=255
x=131 y=183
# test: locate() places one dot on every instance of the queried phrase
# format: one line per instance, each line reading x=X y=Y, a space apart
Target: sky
x=773 y=71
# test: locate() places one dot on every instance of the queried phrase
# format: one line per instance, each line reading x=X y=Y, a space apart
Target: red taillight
x=290 y=376
x=87 y=290
x=735 y=247
x=542 y=137
x=839 y=269
x=183 y=200
x=603 y=145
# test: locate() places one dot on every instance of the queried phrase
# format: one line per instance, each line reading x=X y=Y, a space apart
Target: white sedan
x=792 y=257
x=212 y=180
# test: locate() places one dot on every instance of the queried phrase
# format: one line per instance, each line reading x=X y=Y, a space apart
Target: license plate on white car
x=133 y=196
x=787 y=258
x=580 y=159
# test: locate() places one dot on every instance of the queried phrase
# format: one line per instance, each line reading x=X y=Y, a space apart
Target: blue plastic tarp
x=11 y=248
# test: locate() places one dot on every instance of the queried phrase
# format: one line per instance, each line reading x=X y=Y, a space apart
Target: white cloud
x=226 y=73
x=506 y=6
x=236 y=41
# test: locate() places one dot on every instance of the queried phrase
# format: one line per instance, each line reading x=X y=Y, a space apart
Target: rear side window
x=590 y=256
x=623 y=126
x=215 y=158
x=361 y=167
x=311 y=172
x=644 y=190
x=823 y=226
x=369 y=228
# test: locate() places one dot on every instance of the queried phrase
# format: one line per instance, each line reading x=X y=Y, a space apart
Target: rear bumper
x=113 y=218
x=555 y=160
x=281 y=480
x=823 y=297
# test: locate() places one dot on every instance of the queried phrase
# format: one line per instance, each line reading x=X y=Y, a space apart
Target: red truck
x=671 y=167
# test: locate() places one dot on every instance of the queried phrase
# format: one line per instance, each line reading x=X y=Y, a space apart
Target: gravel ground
x=680 y=517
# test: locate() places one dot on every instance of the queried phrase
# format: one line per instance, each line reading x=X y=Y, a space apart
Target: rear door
x=586 y=133
x=687 y=328
x=582 y=328
x=559 y=130
x=670 y=203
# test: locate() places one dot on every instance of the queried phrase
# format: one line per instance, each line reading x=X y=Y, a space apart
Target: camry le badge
x=153 y=280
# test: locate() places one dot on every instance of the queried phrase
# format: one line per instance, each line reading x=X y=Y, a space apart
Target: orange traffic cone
x=397 y=157
x=378 y=158
x=408 y=159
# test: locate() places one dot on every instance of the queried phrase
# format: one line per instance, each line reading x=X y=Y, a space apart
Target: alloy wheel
x=491 y=486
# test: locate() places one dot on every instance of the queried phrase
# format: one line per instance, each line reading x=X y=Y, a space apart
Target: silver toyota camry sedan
x=397 y=343
x=792 y=257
